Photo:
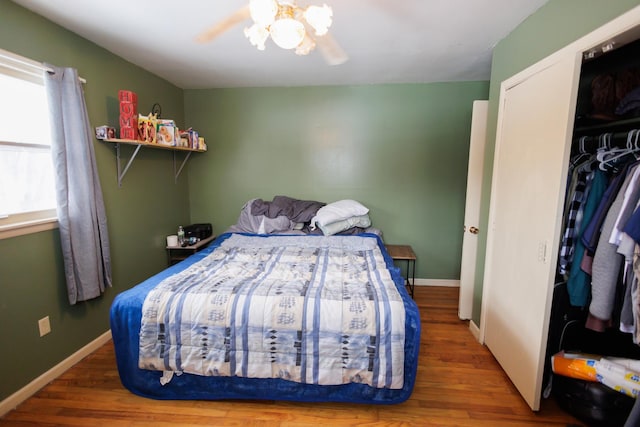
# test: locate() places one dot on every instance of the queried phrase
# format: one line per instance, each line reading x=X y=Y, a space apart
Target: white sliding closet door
x=535 y=123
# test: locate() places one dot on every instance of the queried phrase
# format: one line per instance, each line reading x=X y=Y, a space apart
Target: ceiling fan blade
x=234 y=19
x=331 y=50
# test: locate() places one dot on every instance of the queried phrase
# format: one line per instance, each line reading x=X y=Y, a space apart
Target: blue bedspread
x=126 y=318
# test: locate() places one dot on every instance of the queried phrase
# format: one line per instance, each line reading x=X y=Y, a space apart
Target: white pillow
x=338 y=211
x=361 y=221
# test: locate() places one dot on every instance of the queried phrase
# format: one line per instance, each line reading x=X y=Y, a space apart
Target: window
x=27 y=193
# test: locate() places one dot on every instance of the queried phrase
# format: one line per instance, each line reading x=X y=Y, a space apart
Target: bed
x=274 y=317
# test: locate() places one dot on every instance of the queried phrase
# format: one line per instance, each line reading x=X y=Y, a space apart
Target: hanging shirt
x=578 y=284
x=591 y=233
x=631 y=197
x=632 y=227
x=630 y=239
x=572 y=220
x=606 y=266
x=635 y=296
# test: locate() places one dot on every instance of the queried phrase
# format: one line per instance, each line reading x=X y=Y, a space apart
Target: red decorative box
x=128 y=121
x=128 y=114
x=128 y=109
x=127 y=96
x=128 y=133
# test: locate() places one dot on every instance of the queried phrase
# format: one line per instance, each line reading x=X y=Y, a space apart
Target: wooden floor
x=459 y=384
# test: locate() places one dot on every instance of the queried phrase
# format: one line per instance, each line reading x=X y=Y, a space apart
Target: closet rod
x=590 y=144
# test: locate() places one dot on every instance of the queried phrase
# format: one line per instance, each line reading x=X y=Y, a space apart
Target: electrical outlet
x=44 y=326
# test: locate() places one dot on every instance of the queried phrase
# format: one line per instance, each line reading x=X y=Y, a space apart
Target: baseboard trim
x=475 y=330
x=438 y=282
x=12 y=402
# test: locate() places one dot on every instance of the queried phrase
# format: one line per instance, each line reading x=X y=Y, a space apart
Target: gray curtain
x=81 y=215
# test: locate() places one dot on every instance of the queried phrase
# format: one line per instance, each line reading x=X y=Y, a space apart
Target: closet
x=541 y=112
x=600 y=187
x=596 y=289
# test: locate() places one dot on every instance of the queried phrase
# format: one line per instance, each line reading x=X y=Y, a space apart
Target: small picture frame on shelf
x=105 y=132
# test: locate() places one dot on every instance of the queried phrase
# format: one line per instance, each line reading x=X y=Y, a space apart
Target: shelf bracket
x=176 y=172
x=123 y=172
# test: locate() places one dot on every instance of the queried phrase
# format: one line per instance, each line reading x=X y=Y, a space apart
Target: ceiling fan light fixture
x=307 y=45
x=319 y=17
x=290 y=26
x=263 y=12
x=287 y=33
x=257 y=35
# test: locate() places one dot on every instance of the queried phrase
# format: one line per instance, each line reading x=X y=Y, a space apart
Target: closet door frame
x=622 y=29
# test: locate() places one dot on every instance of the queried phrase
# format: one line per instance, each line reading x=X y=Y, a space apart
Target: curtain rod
x=28 y=62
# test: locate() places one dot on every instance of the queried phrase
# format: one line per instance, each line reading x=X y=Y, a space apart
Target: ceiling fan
x=288 y=25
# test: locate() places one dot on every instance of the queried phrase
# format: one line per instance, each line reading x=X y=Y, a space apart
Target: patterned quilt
x=310 y=309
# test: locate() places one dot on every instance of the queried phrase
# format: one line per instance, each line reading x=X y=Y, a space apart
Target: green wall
x=553 y=26
x=140 y=214
x=401 y=150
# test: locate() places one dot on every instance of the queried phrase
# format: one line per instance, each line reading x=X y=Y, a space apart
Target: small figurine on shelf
x=147 y=128
x=191 y=137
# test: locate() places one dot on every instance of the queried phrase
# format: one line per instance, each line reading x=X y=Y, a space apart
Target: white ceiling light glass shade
x=287 y=32
x=263 y=12
x=319 y=18
x=257 y=35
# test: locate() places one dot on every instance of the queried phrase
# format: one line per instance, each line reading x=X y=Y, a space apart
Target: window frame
x=25 y=222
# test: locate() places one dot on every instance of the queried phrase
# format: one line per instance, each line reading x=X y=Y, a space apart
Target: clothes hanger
x=582 y=153
x=606 y=158
x=636 y=142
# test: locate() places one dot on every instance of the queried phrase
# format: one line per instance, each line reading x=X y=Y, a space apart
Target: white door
x=472 y=208
x=535 y=123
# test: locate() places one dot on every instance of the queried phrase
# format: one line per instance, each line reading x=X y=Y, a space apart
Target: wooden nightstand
x=405 y=253
x=176 y=254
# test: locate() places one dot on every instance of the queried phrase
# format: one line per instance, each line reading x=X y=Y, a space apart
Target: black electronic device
x=199 y=231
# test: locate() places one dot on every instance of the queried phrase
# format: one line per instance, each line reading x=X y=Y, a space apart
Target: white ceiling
x=388 y=41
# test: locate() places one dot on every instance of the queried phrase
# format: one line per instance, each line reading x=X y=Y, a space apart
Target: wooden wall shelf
x=146 y=144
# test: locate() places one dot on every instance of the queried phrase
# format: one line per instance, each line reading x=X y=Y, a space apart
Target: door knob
x=473 y=230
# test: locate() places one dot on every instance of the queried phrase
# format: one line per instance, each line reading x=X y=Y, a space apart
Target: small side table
x=176 y=254
x=405 y=253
